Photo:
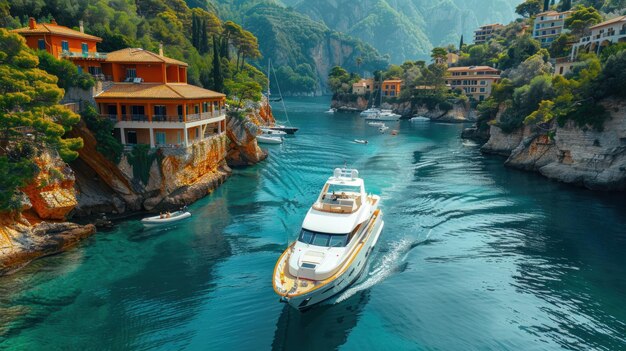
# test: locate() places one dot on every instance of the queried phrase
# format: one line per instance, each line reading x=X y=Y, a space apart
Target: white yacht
x=384 y=115
x=370 y=112
x=272 y=132
x=337 y=237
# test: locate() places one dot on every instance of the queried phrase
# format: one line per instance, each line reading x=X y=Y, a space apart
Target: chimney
x=53 y=21
x=161 y=49
x=32 y=23
x=81 y=26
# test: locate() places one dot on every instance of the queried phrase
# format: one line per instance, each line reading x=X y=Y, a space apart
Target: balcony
x=84 y=55
x=165 y=118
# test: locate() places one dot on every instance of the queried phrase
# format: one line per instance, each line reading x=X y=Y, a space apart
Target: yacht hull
x=343 y=281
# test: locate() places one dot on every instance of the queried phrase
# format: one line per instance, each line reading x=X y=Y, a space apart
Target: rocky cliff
x=580 y=156
x=41 y=229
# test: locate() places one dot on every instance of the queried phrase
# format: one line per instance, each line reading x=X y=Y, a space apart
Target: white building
x=548 y=26
x=602 y=35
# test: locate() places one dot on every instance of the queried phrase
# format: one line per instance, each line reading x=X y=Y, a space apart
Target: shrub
x=102 y=129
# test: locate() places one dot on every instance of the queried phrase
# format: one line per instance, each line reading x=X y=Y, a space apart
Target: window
x=482 y=82
x=197 y=132
x=131 y=73
x=160 y=138
x=41 y=44
x=65 y=46
x=323 y=239
x=85 y=48
x=196 y=109
x=159 y=110
x=482 y=90
x=205 y=107
x=94 y=70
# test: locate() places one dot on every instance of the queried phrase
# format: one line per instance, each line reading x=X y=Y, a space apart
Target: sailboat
x=281 y=127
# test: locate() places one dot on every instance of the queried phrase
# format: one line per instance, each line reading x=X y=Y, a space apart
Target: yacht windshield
x=323 y=239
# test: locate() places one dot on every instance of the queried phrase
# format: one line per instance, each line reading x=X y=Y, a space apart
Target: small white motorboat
x=331 y=110
x=163 y=219
x=288 y=130
x=375 y=124
x=383 y=128
x=268 y=131
x=360 y=141
x=419 y=119
x=268 y=139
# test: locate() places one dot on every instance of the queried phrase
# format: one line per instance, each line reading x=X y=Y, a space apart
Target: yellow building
x=363 y=86
x=475 y=81
x=548 y=26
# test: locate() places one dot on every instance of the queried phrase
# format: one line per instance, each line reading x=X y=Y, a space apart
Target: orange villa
x=145 y=93
x=151 y=102
x=63 y=42
x=391 y=87
x=475 y=81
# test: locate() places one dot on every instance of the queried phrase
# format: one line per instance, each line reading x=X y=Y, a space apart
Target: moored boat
x=167 y=218
x=286 y=129
x=419 y=119
x=370 y=112
x=273 y=132
x=337 y=237
x=269 y=139
x=360 y=141
x=384 y=115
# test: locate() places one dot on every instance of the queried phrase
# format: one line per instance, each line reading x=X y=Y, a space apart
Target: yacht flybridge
x=338 y=235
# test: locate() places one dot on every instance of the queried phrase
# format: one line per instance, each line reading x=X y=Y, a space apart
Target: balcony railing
x=165 y=118
x=92 y=55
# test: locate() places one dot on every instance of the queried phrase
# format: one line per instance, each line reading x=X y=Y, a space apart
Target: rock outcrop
x=21 y=241
x=242 y=129
x=580 y=156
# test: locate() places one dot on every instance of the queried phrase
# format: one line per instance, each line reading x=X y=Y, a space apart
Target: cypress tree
x=546 y=5
x=204 y=39
x=566 y=5
x=461 y=43
x=194 y=31
x=218 y=79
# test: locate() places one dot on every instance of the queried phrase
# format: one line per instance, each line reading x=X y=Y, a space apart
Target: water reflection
x=325 y=327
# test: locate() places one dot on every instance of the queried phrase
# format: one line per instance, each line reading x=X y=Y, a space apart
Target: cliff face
x=242 y=130
x=585 y=157
x=40 y=229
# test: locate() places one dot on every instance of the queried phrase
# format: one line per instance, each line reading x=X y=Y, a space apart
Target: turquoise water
x=474 y=256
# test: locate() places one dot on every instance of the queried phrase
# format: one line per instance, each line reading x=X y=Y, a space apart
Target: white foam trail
x=425 y=164
x=390 y=261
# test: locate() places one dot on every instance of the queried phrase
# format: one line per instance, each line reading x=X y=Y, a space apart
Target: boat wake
x=393 y=261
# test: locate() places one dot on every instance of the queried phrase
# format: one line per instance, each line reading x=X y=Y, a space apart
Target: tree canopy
x=31 y=120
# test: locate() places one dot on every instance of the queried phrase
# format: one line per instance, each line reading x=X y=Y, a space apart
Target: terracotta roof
x=157 y=91
x=472 y=68
x=609 y=22
x=392 y=81
x=49 y=28
x=140 y=55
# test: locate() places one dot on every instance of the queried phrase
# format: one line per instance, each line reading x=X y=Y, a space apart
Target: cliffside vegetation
x=530 y=93
x=407 y=30
x=422 y=84
x=31 y=120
